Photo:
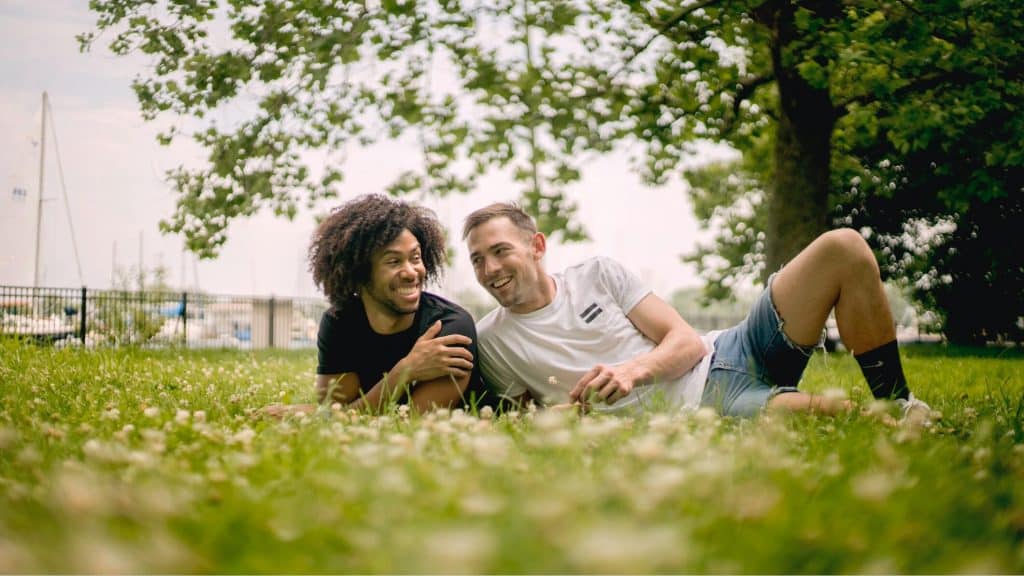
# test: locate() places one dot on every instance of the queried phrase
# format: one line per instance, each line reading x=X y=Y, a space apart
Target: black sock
x=884 y=372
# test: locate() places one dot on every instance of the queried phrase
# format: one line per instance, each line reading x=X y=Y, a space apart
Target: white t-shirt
x=548 y=350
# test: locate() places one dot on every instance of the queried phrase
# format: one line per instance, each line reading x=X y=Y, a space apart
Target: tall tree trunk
x=798 y=201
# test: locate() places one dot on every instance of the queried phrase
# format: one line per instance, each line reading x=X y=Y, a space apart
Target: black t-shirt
x=347 y=343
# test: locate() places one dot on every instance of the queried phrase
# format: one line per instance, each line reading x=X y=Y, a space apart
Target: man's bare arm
x=443 y=392
x=678 y=349
x=439 y=366
x=340 y=388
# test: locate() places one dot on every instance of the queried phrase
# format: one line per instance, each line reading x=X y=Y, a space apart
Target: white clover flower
x=111 y=414
x=105 y=452
x=612 y=548
x=443 y=428
x=550 y=420
x=243 y=437
x=29 y=456
x=486 y=413
x=479 y=504
x=593 y=428
x=490 y=449
x=151 y=412
x=706 y=416
x=462 y=550
x=648 y=446
x=559 y=438
x=8 y=436
x=875 y=486
x=141 y=459
x=241 y=460
x=182 y=417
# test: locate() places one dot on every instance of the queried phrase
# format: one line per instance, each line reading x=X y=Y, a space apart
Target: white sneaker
x=915 y=412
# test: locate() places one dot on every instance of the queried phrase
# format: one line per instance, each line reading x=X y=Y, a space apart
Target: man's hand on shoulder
x=435 y=356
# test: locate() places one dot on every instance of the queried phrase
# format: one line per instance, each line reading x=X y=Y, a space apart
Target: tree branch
x=747 y=88
x=663 y=29
x=960 y=40
x=961 y=77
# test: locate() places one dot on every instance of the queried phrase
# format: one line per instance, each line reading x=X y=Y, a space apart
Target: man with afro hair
x=384 y=339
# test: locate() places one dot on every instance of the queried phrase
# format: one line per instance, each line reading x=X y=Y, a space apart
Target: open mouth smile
x=408 y=291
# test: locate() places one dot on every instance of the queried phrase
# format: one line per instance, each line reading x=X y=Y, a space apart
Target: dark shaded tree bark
x=798 y=200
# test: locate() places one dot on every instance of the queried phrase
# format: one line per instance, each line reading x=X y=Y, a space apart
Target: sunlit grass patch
x=152 y=461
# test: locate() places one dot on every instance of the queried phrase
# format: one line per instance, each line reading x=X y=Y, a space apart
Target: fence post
x=82 y=311
x=270 y=322
x=184 y=318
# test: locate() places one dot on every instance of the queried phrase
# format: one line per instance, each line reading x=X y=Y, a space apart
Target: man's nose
x=490 y=266
x=408 y=269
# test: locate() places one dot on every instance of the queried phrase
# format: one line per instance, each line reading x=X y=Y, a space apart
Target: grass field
x=151 y=461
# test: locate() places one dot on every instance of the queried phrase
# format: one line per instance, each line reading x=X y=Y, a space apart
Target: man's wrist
x=639 y=373
x=402 y=372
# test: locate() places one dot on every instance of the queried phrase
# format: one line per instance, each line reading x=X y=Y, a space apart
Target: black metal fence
x=80 y=316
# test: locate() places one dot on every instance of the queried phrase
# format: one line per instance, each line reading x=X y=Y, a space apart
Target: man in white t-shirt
x=595 y=335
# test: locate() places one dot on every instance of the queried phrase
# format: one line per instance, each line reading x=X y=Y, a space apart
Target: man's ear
x=538 y=245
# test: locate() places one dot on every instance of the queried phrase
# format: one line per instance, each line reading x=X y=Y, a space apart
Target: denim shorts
x=754 y=361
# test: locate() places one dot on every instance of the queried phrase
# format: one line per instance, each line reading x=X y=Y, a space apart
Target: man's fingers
x=460 y=352
x=586 y=391
x=456 y=371
x=608 y=391
x=430 y=332
x=577 y=390
x=454 y=340
x=460 y=363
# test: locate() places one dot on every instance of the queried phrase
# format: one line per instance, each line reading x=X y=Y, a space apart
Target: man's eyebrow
x=393 y=252
x=491 y=247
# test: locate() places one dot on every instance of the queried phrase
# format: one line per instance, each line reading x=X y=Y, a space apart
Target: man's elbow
x=329 y=390
x=698 y=350
x=321 y=391
x=462 y=382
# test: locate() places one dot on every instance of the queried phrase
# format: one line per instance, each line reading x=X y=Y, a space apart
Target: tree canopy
x=888 y=115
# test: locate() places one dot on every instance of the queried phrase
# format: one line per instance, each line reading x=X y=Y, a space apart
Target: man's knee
x=852 y=250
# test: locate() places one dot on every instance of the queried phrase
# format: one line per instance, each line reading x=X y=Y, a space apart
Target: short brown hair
x=509 y=210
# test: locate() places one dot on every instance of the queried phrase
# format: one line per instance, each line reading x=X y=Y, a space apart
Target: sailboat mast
x=42 y=172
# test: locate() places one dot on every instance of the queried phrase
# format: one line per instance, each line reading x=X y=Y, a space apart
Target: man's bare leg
x=839 y=272
x=802 y=402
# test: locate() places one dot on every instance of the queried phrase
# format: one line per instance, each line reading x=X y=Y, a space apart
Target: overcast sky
x=113 y=171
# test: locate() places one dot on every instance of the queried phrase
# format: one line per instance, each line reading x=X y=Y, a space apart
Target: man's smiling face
x=506 y=261
x=396 y=280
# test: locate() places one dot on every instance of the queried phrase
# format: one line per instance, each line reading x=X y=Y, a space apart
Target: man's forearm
x=386 y=390
x=677 y=354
